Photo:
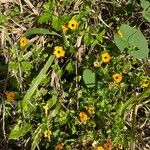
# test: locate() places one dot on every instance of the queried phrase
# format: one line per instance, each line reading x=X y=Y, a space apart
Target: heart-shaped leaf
x=133 y=40
x=89 y=78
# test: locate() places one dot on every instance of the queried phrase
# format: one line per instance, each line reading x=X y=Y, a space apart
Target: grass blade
x=42 y=31
x=37 y=81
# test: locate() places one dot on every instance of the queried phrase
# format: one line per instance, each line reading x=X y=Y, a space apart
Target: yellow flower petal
x=23 y=42
x=120 y=33
x=73 y=24
x=59 y=52
x=117 y=77
x=46 y=109
x=99 y=148
x=47 y=134
x=145 y=83
x=105 y=57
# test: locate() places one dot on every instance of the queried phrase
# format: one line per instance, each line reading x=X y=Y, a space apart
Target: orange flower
x=59 y=146
x=64 y=27
x=108 y=145
x=83 y=117
x=105 y=57
x=90 y=110
x=117 y=77
x=10 y=96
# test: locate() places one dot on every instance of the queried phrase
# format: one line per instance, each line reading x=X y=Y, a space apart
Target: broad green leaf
x=26 y=65
x=146 y=14
x=120 y=42
x=17 y=132
x=146 y=9
x=42 y=31
x=88 y=39
x=13 y=65
x=140 y=54
x=34 y=86
x=145 y=4
x=26 y=128
x=56 y=24
x=89 y=78
x=70 y=67
x=133 y=40
x=46 y=16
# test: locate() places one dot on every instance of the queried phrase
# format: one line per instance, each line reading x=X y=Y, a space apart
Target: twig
x=23 y=28
x=3 y=116
x=2 y=38
x=31 y=6
x=100 y=18
x=20 y=4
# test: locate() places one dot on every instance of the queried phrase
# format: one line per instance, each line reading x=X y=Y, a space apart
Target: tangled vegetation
x=74 y=75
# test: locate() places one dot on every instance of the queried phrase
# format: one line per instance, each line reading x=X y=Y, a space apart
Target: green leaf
x=52 y=101
x=88 y=39
x=133 y=40
x=120 y=42
x=140 y=53
x=55 y=111
x=42 y=31
x=100 y=36
x=89 y=78
x=63 y=117
x=56 y=23
x=146 y=14
x=26 y=65
x=146 y=9
x=70 y=67
x=3 y=18
x=17 y=132
x=145 y=4
x=46 y=16
x=26 y=128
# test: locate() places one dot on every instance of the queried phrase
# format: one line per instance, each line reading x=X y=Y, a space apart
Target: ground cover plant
x=74 y=75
